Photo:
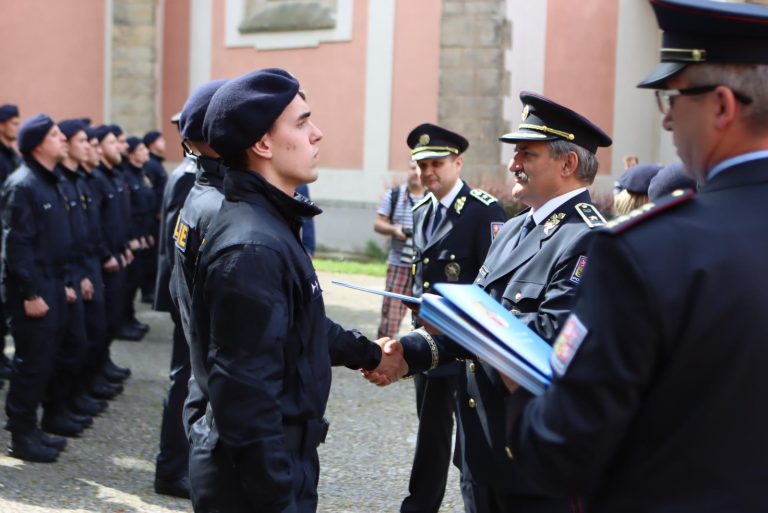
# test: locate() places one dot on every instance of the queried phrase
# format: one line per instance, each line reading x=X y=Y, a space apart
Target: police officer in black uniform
x=9 y=161
x=172 y=465
x=658 y=402
x=453 y=228
x=158 y=178
x=262 y=346
x=36 y=282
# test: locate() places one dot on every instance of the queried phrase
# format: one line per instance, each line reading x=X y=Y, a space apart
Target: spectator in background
x=634 y=188
x=669 y=179
x=394 y=218
x=307 y=225
x=630 y=160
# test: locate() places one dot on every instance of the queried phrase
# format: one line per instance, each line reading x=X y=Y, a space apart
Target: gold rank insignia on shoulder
x=649 y=210
x=424 y=139
x=551 y=223
x=524 y=115
x=482 y=196
x=459 y=204
x=424 y=201
x=590 y=215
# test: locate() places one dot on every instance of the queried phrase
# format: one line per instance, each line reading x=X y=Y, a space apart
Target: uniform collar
x=541 y=213
x=210 y=171
x=448 y=199
x=41 y=170
x=249 y=186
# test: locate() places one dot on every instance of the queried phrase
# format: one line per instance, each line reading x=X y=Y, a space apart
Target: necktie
x=529 y=225
x=438 y=218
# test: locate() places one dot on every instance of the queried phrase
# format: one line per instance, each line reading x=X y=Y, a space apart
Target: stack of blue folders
x=473 y=319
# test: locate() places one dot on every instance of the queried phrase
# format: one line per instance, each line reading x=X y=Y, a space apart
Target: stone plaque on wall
x=287 y=15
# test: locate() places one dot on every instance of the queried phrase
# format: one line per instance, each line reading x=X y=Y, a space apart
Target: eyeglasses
x=664 y=97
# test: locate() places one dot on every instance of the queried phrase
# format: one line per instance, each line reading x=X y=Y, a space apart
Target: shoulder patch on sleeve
x=567 y=343
x=425 y=200
x=590 y=214
x=649 y=210
x=482 y=196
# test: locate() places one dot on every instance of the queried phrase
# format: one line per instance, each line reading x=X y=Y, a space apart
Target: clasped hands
x=392 y=365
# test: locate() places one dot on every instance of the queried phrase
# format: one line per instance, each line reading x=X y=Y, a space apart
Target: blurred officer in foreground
x=262 y=348
x=658 y=403
x=9 y=161
x=453 y=226
x=37 y=282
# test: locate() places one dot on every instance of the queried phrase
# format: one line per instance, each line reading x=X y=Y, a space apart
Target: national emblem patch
x=567 y=343
x=495 y=229
x=578 y=271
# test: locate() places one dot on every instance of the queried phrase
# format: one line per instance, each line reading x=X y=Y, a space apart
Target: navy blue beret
x=100 y=132
x=86 y=121
x=91 y=132
x=70 y=127
x=193 y=113
x=32 y=132
x=669 y=178
x=245 y=108
x=151 y=137
x=115 y=129
x=133 y=143
x=8 y=111
x=637 y=178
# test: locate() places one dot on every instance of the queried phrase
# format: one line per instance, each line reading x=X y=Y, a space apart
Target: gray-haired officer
x=658 y=403
x=453 y=228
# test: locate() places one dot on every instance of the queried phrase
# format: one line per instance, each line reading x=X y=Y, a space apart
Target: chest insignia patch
x=313 y=286
x=495 y=229
x=578 y=271
x=567 y=343
x=452 y=271
x=47 y=206
x=551 y=223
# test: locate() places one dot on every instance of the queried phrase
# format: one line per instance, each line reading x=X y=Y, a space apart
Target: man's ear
x=727 y=106
x=263 y=147
x=460 y=160
x=570 y=164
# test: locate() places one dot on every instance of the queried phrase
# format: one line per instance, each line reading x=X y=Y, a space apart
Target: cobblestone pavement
x=365 y=463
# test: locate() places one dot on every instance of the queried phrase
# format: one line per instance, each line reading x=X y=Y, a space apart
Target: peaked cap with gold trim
x=545 y=120
x=428 y=141
x=698 y=31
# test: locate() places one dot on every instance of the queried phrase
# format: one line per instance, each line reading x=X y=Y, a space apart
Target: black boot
x=61 y=424
x=83 y=420
x=84 y=404
x=114 y=376
x=28 y=447
x=126 y=332
x=113 y=367
x=173 y=487
x=136 y=324
x=102 y=389
x=57 y=442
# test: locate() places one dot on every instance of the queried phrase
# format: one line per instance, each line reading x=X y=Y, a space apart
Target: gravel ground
x=365 y=463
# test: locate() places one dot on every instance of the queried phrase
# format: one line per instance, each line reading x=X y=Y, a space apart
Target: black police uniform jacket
x=112 y=201
x=258 y=309
x=537 y=281
x=660 y=401
x=37 y=237
x=179 y=184
x=458 y=245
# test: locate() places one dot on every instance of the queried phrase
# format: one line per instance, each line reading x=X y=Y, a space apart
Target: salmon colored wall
x=175 y=73
x=581 y=60
x=416 y=72
x=53 y=55
x=333 y=75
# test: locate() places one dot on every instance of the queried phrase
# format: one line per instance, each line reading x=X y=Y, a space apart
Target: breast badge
x=452 y=271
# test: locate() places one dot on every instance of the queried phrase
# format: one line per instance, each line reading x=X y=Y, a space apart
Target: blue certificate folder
x=473 y=319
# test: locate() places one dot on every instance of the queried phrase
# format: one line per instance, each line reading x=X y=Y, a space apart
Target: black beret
x=86 y=121
x=70 y=127
x=245 y=108
x=100 y=132
x=700 y=31
x=151 y=137
x=193 y=113
x=133 y=143
x=669 y=179
x=545 y=120
x=32 y=132
x=115 y=129
x=91 y=132
x=636 y=178
x=8 y=111
x=428 y=141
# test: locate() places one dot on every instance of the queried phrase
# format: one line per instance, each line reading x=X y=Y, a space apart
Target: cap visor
x=660 y=74
x=526 y=135
x=429 y=154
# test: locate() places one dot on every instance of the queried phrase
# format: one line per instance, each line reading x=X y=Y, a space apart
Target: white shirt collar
x=447 y=200
x=541 y=213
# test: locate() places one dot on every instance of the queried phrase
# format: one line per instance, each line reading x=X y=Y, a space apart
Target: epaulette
x=649 y=210
x=590 y=215
x=482 y=196
x=426 y=199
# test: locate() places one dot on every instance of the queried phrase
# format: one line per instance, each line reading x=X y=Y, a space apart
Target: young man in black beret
x=37 y=282
x=261 y=344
